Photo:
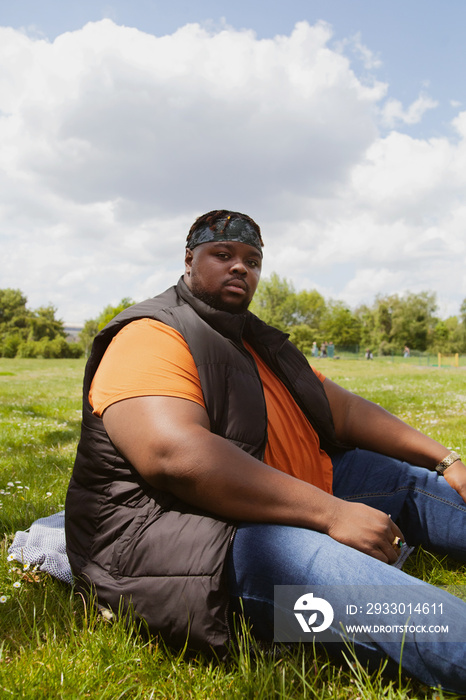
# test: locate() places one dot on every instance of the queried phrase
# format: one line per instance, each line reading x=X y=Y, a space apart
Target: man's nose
x=238 y=266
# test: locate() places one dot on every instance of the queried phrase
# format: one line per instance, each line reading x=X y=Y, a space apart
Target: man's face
x=224 y=274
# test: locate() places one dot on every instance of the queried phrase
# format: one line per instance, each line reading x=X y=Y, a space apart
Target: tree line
x=38 y=333
x=385 y=327
x=31 y=333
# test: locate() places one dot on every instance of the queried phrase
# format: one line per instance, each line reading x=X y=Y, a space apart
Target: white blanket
x=43 y=545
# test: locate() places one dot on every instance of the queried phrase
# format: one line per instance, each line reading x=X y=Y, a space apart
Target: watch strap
x=446 y=462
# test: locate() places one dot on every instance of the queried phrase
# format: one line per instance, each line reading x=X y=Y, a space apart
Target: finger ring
x=397 y=543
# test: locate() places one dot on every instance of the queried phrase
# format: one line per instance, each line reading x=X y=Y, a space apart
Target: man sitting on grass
x=214 y=463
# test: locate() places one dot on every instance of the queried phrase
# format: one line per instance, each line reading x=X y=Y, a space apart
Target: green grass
x=53 y=645
x=431 y=399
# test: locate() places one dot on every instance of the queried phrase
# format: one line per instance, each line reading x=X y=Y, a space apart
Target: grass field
x=53 y=645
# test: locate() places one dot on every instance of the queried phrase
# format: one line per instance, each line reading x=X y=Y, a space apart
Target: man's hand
x=366 y=529
x=455 y=474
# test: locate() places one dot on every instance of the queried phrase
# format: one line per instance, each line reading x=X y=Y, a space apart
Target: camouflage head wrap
x=227 y=229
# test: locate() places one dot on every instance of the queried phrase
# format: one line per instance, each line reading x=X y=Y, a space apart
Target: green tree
x=12 y=306
x=340 y=325
x=449 y=336
x=14 y=316
x=110 y=312
x=87 y=335
x=393 y=322
x=367 y=324
x=463 y=312
x=275 y=302
x=94 y=325
x=310 y=308
x=25 y=333
x=414 y=320
x=43 y=324
x=462 y=330
x=302 y=336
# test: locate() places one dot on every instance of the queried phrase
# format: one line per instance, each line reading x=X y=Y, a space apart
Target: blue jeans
x=429 y=513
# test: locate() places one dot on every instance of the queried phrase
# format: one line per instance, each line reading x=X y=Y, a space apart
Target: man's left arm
x=361 y=423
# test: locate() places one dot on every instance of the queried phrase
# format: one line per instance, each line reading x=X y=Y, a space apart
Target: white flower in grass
x=3 y=598
x=26 y=566
x=10 y=557
x=106 y=614
x=17 y=584
x=10 y=483
x=48 y=494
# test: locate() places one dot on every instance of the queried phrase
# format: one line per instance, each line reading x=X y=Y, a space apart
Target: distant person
x=406 y=351
x=323 y=349
x=330 y=349
x=314 y=350
x=369 y=355
x=214 y=463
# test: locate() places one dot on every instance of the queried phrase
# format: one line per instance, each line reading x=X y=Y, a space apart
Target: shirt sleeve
x=146 y=358
x=318 y=374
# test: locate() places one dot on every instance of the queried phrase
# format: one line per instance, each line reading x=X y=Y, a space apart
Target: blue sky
x=339 y=125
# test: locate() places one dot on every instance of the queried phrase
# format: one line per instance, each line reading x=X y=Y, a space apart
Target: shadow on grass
x=58 y=437
x=50 y=440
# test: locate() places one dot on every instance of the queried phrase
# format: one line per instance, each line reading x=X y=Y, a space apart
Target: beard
x=216 y=301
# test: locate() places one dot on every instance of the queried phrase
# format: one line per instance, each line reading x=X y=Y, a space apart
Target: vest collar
x=229 y=325
x=233 y=326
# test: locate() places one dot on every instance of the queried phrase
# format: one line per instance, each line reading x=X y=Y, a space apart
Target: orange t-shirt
x=149 y=358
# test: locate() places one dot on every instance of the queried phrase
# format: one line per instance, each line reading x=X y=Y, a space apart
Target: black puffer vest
x=139 y=547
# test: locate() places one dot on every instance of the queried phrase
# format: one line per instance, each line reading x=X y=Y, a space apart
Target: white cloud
x=370 y=60
x=112 y=113
x=367 y=283
x=113 y=140
x=393 y=113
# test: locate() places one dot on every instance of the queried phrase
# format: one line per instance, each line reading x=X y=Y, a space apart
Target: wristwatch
x=449 y=459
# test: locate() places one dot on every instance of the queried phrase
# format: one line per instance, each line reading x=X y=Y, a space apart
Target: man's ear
x=188 y=260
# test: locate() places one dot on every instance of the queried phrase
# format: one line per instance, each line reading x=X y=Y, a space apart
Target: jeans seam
x=382 y=494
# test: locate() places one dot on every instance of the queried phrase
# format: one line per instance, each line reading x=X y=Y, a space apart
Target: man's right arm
x=168 y=441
